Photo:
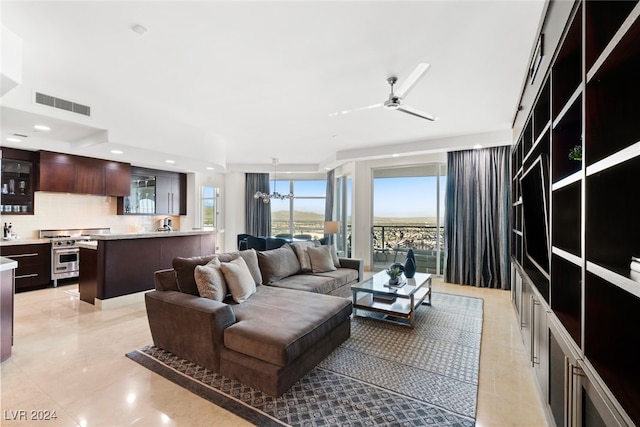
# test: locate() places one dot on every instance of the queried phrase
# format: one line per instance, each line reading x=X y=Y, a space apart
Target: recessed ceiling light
x=137 y=28
x=477 y=146
x=210 y=168
x=170 y=161
x=117 y=151
x=395 y=155
x=12 y=139
x=41 y=128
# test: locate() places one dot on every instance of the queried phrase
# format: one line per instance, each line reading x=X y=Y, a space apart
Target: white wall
x=234 y=209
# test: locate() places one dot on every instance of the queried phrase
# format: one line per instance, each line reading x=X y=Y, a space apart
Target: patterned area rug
x=384 y=375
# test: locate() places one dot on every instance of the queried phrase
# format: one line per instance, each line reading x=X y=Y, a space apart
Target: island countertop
x=7 y=264
x=149 y=235
x=116 y=265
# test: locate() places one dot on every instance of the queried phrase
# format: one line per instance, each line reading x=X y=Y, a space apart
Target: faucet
x=166 y=225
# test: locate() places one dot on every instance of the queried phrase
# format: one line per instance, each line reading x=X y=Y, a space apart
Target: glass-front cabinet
x=142 y=198
x=154 y=192
x=16 y=184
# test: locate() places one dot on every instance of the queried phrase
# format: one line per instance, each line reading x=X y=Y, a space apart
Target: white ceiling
x=226 y=84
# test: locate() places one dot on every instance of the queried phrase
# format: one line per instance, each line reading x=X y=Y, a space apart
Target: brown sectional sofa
x=269 y=341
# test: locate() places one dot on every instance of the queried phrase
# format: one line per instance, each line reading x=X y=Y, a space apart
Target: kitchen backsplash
x=62 y=211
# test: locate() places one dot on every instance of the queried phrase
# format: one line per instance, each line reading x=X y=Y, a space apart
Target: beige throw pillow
x=238 y=279
x=300 y=248
x=250 y=256
x=210 y=281
x=321 y=259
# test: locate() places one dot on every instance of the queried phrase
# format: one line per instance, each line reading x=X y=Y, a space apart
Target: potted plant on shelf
x=576 y=153
x=395 y=273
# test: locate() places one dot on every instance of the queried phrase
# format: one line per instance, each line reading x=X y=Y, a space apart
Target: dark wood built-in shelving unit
x=587 y=97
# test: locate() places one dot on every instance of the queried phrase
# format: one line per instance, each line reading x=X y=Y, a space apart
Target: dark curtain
x=258 y=212
x=477 y=217
x=328 y=206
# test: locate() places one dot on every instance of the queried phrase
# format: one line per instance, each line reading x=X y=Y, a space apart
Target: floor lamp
x=331 y=228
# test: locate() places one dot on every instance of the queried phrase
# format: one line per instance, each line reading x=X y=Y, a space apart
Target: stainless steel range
x=65 y=253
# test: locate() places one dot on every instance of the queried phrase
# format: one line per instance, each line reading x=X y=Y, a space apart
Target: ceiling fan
x=394 y=102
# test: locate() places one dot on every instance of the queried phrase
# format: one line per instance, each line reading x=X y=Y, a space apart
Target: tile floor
x=68 y=358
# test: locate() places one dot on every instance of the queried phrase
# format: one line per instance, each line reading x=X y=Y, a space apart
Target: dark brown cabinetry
x=34 y=264
x=83 y=175
x=17 y=182
x=587 y=285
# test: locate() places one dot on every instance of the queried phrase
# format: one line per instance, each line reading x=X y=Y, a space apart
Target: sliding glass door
x=408 y=213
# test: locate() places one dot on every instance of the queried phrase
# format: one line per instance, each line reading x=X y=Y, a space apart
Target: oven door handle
x=67 y=251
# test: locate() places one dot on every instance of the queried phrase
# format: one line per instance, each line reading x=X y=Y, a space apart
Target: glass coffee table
x=396 y=304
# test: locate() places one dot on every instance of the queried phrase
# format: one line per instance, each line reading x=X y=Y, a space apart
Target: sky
x=402 y=197
x=406 y=197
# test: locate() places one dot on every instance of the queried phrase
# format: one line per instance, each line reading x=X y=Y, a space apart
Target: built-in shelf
x=567 y=256
x=566 y=222
x=612 y=109
x=619 y=277
x=611 y=316
x=621 y=156
x=566 y=72
x=588 y=100
x=575 y=177
x=612 y=24
x=566 y=107
x=566 y=295
x=613 y=210
x=567 y=135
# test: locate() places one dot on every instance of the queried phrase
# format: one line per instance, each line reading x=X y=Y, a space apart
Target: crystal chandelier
x=275 y=195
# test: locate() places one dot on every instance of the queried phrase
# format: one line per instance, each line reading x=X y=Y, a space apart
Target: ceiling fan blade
x=353 y=110
x=407 y=85
x=417 y=113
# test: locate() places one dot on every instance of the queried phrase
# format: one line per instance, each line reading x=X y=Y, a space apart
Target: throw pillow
x=210 y=281
x=250 y=257
x=321 y=259
x=276 y=264
x=185 y=268
x=300 y=248
x=238 y=279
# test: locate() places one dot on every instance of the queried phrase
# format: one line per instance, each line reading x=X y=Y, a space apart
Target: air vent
x=20 y=135
x=62 y=104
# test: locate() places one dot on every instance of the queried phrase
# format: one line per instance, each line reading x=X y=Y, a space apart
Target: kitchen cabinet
x=17 y=182
x=66 y=173
x=57 y=173
x=155 y=192
x=117 y=176
x=34 y=264
x=168 y=195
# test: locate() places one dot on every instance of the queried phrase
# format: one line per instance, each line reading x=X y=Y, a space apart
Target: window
x=208 y=207
x=302 y=215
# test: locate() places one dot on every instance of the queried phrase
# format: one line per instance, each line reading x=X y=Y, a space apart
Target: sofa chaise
x=268 y=337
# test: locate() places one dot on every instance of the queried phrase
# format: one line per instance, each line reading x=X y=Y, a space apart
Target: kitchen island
x=117 y=267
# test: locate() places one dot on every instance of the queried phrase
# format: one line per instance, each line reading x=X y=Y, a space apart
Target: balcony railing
x=391 y=243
